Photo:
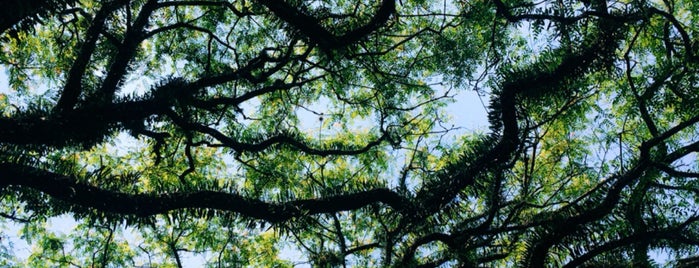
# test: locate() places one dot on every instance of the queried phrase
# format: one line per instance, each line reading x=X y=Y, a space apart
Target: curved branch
x=678 y=26
x=666 y=234
x=309 y=26
x=67 y=189
x=234 y=101
x=284 y=138
x=530 y=84
x=444 y=238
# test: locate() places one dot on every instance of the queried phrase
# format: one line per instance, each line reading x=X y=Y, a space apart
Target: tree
x=240 y=130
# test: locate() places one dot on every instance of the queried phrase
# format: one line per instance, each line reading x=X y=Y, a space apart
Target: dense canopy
x=330 y=133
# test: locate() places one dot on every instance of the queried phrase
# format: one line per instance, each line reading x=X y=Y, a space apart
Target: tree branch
x=67 y=189
x=309 y=26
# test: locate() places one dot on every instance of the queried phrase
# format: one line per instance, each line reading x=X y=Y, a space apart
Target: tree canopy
x=263 y=133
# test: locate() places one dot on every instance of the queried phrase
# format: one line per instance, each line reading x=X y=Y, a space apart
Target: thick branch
x=666 y=234
x=309 y=26
x=142 y=205
x=85 y=126
x=531 y=83
x=73 y=85
x=15 y=12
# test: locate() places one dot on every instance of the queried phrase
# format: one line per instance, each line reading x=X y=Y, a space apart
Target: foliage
x=285 y=133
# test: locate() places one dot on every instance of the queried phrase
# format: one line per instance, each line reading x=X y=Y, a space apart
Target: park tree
x=262 y=133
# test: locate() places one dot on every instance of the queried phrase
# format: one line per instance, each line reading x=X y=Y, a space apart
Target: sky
x=468 y=111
